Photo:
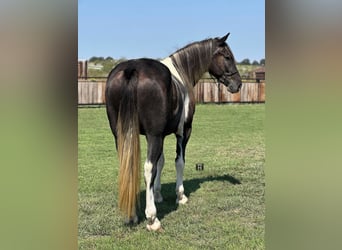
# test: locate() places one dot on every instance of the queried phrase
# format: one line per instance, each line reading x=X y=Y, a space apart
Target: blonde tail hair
x=129 y=148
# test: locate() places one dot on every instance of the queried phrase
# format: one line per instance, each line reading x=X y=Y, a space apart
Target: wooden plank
x=249 y=92
x=90 y=93
x=205 y=93
x=255 y=92
x=222 y=93
x=79 y=92
x=79 y=69
x=87 y=97
x=252 y=92
x=262 y=92
x=100 y=92
x=94 y=88
x=84 y=93
x=235 y=97
x=216 y=92
x=243 y=92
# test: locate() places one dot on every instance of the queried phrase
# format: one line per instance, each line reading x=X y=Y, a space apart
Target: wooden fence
x=210 y=92
x=206 y=91
x=91 y=92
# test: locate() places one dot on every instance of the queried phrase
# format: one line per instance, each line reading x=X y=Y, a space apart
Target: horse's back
x=153 y=92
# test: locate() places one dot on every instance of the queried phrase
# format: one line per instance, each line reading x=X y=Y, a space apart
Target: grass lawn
x=226 y=208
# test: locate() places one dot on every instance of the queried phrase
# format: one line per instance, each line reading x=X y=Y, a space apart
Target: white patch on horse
x=186 y=106
x=185 y=114
x=168 y=63
x=150 y=210
x=181 y=198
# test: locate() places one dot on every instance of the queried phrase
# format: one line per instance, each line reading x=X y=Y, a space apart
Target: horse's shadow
x=169 y=195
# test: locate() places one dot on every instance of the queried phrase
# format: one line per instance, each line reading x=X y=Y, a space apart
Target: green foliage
x=96 y=59
x=109 y=58
x=245 y=70
x=255 y=62
x=245 y=62
x=220 y=214
x=108 y=64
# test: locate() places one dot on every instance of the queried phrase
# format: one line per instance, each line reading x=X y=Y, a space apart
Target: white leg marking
x=150 y=211
x=181 y=198
x=157 y=184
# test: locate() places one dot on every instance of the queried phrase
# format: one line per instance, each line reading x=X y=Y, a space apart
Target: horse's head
x=223 y=67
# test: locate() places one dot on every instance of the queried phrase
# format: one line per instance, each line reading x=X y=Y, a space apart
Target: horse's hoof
x=132 y=220
x=158 y=197
x=155 y=226
x=182 y=200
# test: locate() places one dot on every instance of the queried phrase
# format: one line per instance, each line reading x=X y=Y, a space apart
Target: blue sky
x=156 y=28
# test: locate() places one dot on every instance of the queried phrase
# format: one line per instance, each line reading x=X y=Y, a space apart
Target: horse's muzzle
x=234 y=88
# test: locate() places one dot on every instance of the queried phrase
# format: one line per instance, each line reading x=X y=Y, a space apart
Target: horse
x=156 y=98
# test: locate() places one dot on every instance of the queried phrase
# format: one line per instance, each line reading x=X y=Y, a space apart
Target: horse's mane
x=193 y=60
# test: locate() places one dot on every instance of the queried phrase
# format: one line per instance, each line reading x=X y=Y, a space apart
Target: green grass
x=226 y=208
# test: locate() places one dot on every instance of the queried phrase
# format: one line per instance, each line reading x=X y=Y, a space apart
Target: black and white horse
x=155 y=99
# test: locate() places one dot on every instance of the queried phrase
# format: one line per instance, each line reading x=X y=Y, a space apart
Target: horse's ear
x=223 y=39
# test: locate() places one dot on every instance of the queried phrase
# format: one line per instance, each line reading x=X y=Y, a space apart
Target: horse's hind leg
x=180 y=162
x=157 y=184
x=155 y=149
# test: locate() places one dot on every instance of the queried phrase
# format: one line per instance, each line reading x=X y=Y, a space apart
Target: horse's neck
x=192 y=70
x=192 y=66
x=197 y=72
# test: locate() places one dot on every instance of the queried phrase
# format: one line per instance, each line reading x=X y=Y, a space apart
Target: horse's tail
x=129 y=145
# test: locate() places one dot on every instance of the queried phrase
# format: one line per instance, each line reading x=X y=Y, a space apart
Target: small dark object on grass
x=199 y=166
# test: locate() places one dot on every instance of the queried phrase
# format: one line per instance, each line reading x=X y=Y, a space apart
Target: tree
x=245 y=62
x=96 y=59
x=93 y=59
x=255 y=62
x=109 y=58
x=262 y=61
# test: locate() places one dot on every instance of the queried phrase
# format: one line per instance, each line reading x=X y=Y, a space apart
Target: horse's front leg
x=180 y=162
x=155 y=149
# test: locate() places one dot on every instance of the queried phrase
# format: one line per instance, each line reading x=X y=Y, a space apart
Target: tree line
x=255 y=62
x=101 y=59
x=108 y=63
